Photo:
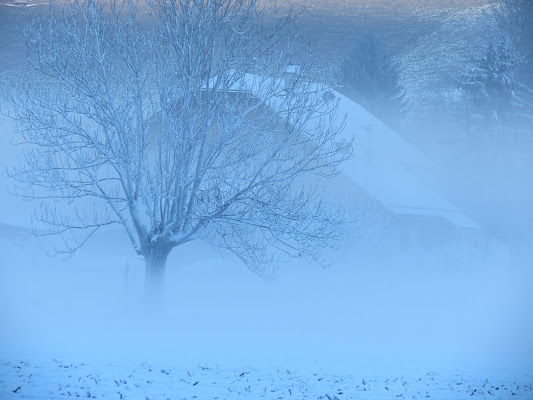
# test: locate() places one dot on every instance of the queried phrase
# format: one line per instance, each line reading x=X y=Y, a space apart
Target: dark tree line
x=496 y=92
x=515 y=22
x=495 y=101
x=371 y=77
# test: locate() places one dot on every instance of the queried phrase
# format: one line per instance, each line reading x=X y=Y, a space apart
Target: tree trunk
x=155 y=273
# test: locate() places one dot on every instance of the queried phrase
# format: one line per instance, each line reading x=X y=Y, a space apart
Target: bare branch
x=178 y=121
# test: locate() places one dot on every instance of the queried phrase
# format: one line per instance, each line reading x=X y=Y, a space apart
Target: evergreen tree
x=372 y=76
x=515 y=22
x=494 y=100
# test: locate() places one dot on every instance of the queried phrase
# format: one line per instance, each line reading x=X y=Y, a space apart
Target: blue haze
x=383 y=304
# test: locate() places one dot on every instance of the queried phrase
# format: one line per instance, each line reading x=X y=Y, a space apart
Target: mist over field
x=434 y=274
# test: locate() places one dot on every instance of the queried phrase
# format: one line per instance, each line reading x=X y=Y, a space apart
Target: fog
x=445 y=296
x=357 y=312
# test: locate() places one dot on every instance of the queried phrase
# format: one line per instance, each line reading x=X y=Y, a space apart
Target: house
x=400 y=184
x=391 y=183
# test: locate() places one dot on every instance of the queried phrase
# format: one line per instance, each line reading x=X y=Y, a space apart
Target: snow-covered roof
x=386 y=166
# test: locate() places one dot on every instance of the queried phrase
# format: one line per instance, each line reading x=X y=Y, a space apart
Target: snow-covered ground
x=54 y=379
x=79 y=328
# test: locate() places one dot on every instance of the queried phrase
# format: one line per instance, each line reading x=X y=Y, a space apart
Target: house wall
x=434 y=242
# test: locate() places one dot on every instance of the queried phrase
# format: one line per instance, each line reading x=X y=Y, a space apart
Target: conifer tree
x=372 y=76
x=494 y=100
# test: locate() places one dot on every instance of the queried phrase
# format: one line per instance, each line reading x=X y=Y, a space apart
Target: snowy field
x=79 y=329
x=55 y=379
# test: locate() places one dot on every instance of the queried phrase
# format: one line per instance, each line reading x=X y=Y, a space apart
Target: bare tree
x=178 y=120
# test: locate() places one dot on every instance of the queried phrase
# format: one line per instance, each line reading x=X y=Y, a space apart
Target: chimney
x=291 y=72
